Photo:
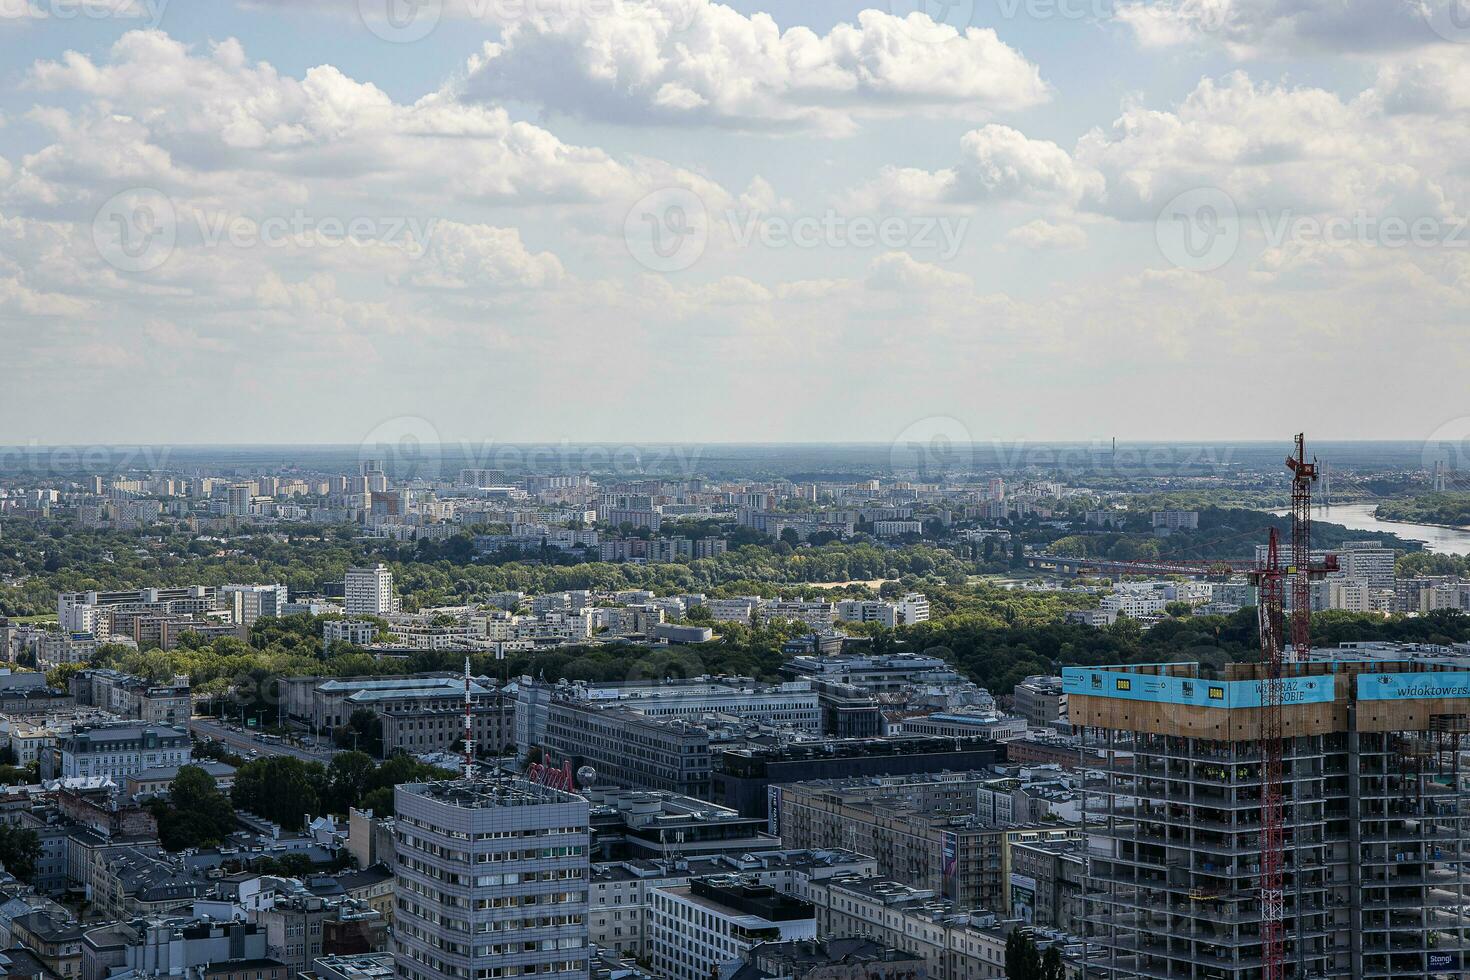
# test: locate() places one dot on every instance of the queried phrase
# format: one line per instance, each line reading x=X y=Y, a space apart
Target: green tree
x=196 y=813
x=348 y=778
x=1052 y=967
x=1023 y=962
x=20 y=847
x=280 y=788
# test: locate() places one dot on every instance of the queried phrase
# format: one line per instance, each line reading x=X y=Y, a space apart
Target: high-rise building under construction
x=1374 y=809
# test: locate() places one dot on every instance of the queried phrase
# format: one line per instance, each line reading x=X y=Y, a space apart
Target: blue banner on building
x=1416 y=686
x=1192 y=690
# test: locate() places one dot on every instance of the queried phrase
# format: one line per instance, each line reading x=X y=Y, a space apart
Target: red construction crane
x=1271 y=580
x=1303 y=475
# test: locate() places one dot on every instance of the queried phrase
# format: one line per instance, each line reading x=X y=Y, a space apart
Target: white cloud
x=699 y=63
x=1270 y=148
x=161 y=113
x=1042 y=235
x=1255 y=28
x=997 y=163
x=461 y=255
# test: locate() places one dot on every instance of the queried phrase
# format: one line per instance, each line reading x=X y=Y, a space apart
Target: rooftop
x=489 y=791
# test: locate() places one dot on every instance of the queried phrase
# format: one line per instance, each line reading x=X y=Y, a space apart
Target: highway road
x=242 y=743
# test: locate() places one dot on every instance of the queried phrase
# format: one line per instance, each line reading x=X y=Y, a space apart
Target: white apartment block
x=814 y=614
x=248 y=603
x=711 y=923
x=1369 y=561
x=1176 y=520
x=1134 y=605
x=912 y=608
x=897 y=529
x=732 y=610
x=354 y=631
x=1357 y=595
x=369 y=591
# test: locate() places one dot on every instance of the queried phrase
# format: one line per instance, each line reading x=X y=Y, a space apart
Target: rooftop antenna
x=469 y=732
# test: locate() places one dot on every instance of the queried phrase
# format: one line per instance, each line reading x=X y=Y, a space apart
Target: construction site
x=1291 y=817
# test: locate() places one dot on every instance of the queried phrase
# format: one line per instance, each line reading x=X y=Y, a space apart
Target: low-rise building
x=710 y=924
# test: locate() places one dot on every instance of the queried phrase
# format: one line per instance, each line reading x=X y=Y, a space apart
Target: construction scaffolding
x=1373 y=811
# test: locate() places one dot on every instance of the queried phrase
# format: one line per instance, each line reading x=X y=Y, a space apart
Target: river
x=1359 y=517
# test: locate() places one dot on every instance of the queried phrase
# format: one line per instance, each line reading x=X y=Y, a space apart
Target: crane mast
x=1271 y=582
x=1304 y=474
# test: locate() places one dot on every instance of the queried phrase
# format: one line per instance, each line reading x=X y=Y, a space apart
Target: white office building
x=703 y=927
x=369 y=591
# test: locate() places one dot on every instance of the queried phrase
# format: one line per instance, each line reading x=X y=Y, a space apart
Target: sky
x=331 y=221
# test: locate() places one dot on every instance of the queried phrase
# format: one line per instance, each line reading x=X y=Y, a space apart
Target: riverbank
x=1395 y=520
x=1364 y=517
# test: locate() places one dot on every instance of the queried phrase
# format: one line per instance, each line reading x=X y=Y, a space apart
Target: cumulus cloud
x=460 y=255
x=699 y=63
x=162 y=113
x=1251 y=28
x=1269 y=147
x=997 y=163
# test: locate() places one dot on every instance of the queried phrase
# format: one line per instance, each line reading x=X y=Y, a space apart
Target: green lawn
x=42 y=618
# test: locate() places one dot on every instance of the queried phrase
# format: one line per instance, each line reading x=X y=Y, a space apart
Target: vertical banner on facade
x=951 y=863
x=773 y=810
